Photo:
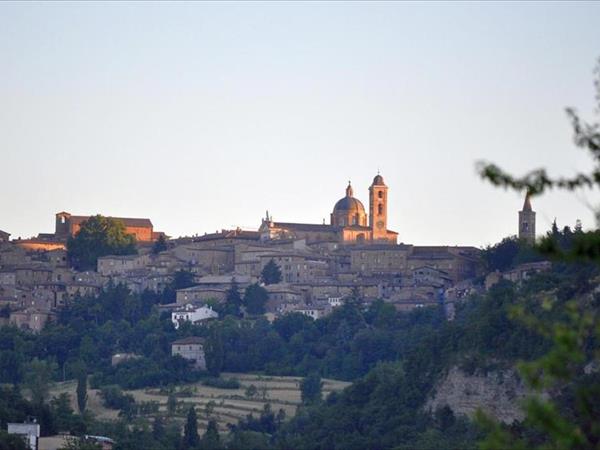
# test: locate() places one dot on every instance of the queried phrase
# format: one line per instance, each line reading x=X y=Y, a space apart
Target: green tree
x=99 y=236
x=171 y=404
x=233 y=300
x=183 y=279
x=310 y=389
x=251 y=391
x=211 y=439
x=255 y=298
x=354 y=298
x=569 y=418
x=158 y=427
x=11 y=441
x=82 y=391
x=215 y=353
x=63 y=415
x=38 y=375
x=160 y=245
x=190 y=431
x=271 y=273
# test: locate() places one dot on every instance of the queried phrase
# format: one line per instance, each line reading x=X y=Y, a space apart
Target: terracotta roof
x=189 y=341
x=306 y=226
x=229 y=234
x=127 y=221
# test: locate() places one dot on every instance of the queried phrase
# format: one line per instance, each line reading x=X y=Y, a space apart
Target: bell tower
x=527 y=222
x=63 y=225
x=378 y=193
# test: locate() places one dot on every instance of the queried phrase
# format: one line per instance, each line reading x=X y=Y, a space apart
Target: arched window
x=380 y=209
x=380 y=194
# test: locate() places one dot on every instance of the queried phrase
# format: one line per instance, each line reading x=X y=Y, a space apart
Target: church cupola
x=349 y=191
x=349 y=211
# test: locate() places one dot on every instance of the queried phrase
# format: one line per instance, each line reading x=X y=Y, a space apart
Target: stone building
x=68 y=225
x=527 y=222
x=298 y=267
x=212 y=287
x=31 y=319
x=457 y=263
x=30 y=274
x=349 y=222
x=4 y=236
x=192 y=349
x=120 y=264
x=211 y=259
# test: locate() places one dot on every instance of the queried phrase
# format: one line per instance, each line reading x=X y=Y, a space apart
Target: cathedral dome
x=349 y=203
x=349 y=211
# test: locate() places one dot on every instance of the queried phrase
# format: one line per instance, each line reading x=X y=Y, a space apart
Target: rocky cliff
x=498 y=393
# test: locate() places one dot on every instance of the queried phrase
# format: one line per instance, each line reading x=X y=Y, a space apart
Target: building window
x=380 y=194
x=380 y=209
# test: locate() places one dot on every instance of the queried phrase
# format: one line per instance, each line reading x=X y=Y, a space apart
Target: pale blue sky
x=201 y=116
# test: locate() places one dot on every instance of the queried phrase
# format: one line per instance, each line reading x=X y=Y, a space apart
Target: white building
x=314 y=311
x=191 y=313
x=29 y=431
x=335 y=301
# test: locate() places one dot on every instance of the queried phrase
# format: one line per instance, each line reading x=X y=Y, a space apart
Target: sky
x=202 y=116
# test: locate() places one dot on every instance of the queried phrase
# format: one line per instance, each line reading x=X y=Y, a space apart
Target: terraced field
x=226 y=406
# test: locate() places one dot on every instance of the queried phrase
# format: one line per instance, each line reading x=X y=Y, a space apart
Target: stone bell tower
x=527 y=222
x=378 y=193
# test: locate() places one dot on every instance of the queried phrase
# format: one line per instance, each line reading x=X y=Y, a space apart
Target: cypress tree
x=271 y=273
x=81 y=391
x=190 y=431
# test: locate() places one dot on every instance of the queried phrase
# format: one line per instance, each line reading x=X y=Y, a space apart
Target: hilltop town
x=320 y=265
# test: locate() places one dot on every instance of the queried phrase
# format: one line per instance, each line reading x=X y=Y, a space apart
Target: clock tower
x=378 y=208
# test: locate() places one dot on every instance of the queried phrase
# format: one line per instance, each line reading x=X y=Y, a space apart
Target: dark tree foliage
x=211 y=440
x=255 y=299
x=182 y=279
x=81 y=391
x=190 y=431
x=99 y=236
x=380 y=410
x=233 y=300
x=11 y=442
x=271 y=273
x=570 y=320
x=266 y=423
x=160 y=245
x=311 y=388
x=215 y=353
x=509 y=253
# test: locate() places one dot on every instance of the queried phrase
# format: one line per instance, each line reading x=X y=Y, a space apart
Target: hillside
x=225 y=406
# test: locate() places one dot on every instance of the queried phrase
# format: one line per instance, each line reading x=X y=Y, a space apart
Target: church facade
x=349 y=222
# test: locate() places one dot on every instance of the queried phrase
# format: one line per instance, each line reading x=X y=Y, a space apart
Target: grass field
x=228 y=405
